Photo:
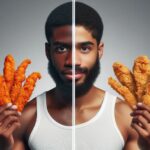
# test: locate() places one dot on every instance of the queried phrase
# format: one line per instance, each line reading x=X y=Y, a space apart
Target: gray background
x=126 y=34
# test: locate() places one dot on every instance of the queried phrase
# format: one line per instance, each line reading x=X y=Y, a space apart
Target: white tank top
x=99 y=133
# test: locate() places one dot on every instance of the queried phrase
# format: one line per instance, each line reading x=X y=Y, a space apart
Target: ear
x=100 y=49
x=47 y=51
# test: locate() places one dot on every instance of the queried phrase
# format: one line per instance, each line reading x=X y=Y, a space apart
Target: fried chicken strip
x=123 y=91
x=27 y=90
x=19 y=77
x=4 y=94
x=141 y=72
x=146 y=97
x=124 y=75
x=9 y=70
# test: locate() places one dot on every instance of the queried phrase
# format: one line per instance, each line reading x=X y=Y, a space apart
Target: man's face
x=87 y=54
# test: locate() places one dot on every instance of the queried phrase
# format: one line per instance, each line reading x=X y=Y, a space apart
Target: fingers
x=12 y=128
x=7 y=113
x=142 y=122
x=7 y=122
x=3 y=107
x=8 y=130
x=143 y=113
x=142 y=106
x=142 y=132
x=9 y=118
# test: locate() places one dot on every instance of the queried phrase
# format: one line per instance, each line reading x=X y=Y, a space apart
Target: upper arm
x=124 y=119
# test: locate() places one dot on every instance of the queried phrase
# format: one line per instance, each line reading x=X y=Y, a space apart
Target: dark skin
x=141 y=123
x=87 y=105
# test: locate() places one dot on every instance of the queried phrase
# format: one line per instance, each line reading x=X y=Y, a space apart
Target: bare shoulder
x=123 y=119
x=123 y=108
x=29 y=110
x=122 y=112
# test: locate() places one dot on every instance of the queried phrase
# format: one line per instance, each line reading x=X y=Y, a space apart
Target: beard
x=66 y=86
x=92 y=74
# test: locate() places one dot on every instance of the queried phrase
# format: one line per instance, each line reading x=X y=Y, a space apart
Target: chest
x=99 y=132
x=65 y=117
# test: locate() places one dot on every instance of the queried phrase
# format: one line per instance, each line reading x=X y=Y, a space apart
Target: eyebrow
x=62 y=44
x=86 y=43
x=56 y=43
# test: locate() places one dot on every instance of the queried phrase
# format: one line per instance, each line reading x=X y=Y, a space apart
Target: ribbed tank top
x=99 y=133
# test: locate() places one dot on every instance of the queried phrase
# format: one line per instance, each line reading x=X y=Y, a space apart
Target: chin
x=79 y=83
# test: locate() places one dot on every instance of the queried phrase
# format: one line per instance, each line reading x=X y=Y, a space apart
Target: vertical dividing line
x=73 y=71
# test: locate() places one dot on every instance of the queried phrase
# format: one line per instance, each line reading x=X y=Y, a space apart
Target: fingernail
x=139 y=104
x=14 y=107
x=9 y=104
x=134 y=107
x=19 y=113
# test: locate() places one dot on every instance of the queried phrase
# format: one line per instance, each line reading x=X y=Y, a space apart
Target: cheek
x=58 y=61
x=89 y=60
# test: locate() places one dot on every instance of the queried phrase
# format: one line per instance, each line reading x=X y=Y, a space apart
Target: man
x=102 y=121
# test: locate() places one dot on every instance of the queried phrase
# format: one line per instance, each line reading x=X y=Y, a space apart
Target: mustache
x=78 y=69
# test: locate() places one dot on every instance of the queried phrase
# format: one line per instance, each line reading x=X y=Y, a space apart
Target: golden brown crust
x=4 y=94
x=141 y=71
x=19 y=77
x=124 y=75
x=9 y=70
x=27 y=90
x=134 y=87
x=11 y=89
x=146 y=97
x=123 y=91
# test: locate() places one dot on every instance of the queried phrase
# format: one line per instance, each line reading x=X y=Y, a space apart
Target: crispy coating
x=27 y=90
x=123 y=91
x=141 y=72
x=9 y=70
x=11 y=89
x=146 y=97
x=124 y=75
x=4 y=94
x=19 y=77
x=137 y=82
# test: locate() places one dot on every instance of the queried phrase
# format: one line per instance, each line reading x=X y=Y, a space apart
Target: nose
x=69 y=59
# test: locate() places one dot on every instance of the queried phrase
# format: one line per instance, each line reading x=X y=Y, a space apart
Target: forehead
x=64 y=33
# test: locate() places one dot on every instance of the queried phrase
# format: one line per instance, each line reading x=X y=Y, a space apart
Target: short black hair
x=85 y=16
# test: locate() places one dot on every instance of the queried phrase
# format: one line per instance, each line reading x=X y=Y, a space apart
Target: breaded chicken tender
x=146 y=97
x=11 y=89
x=123 y=91
x=19 y=77
x=135 y=86
x=9 y=70
x=141 y=71
x=4 y=94
x=27 y=90
x=124 y=75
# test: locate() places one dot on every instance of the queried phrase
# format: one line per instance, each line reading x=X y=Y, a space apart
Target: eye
x=85 y=49
x=60 y=49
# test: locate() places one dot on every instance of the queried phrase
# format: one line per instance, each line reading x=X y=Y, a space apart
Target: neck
x=87 y=100
x=62 y=97
x=90 y=98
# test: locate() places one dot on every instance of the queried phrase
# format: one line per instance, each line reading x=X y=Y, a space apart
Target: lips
x=69 y=75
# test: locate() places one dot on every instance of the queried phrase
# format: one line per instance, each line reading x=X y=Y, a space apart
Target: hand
x=9 y=121
x=141 y=123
